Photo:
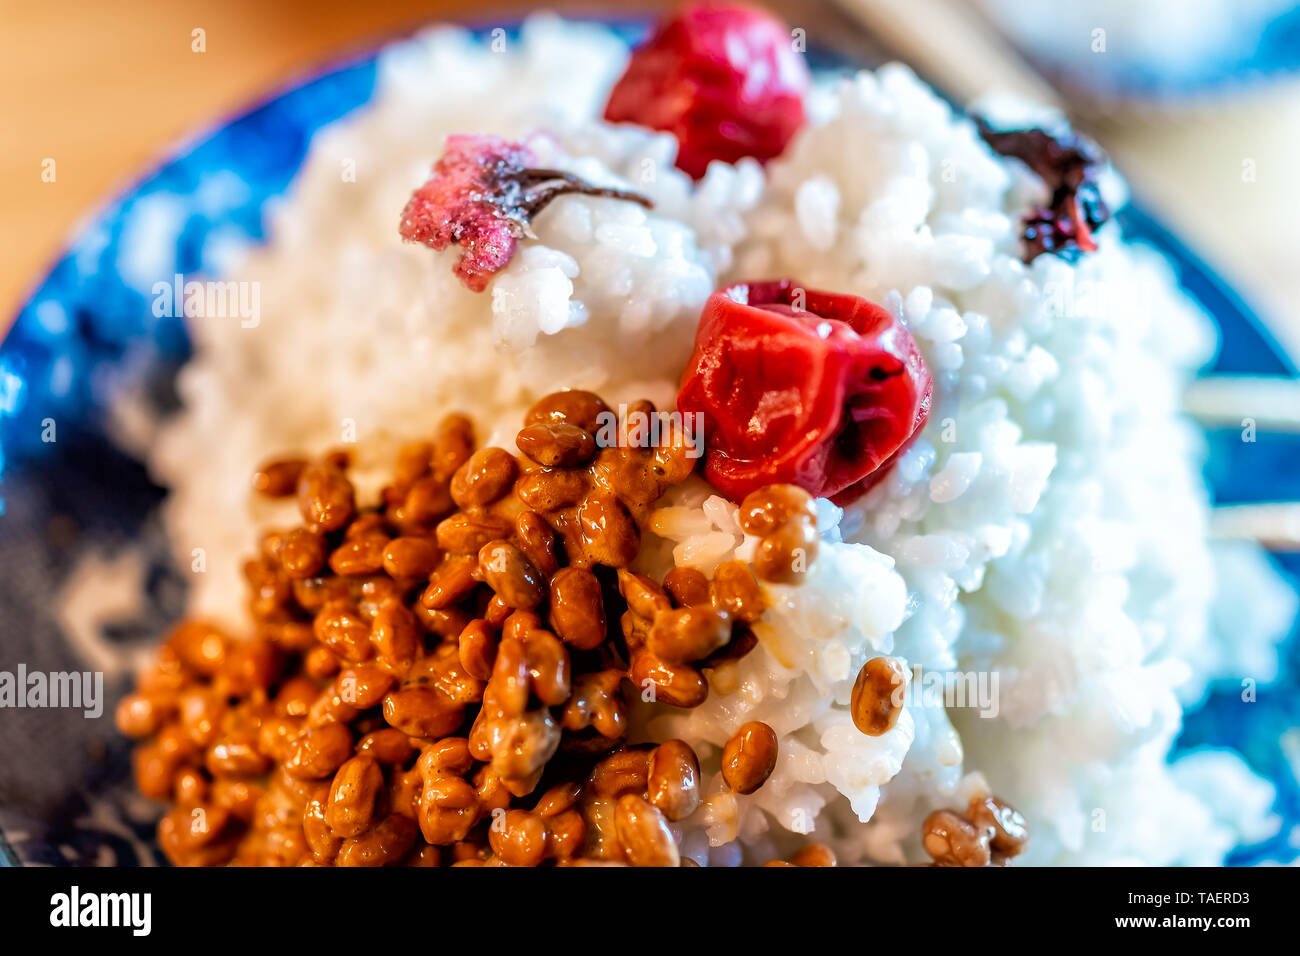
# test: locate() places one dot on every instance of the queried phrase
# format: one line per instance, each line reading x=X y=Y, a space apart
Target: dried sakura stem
x=482 y=196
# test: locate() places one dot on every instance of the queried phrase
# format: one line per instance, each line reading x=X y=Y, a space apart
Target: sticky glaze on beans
x=325 y=498
x=423 y=662
x=687 y=586
x=749 y=757
x=279 y=478
x=673 y=780
x=556 y=444
x=877 y=695
x=989 y=833
x=785 y=521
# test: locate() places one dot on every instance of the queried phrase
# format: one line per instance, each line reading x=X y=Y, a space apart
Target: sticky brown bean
x=395 y=636
x=295 y=696
x=421 y=712
x=674 y=684
x=424 y=856
x=623 y=771
x=453 y=444
x=491 y=790
x=596 y=702
x=241 y=797
x=413 y=461
x=340 y=627
x=1007 y=829
x=141 y=715
x=518 y=838
x=189 y=787
x=735 y=592
x=954 y=841
x=565 y=834
x=577 y=608
x=411 y=557
x=153 y=771
x=325 y=498
x=496 y=612
x=331 y=708
x=519 y=623
x=558 y=799
x=322 y=841
x=549 y=490
x=644 y=833
x=476 y=649
x=236 y=756
x=536 y=540
x=814 y=854
x=382 y=845
x=321 y=663
x=673 y=780
x=749 y=757
x=464 y=533
x=450 y=581
x=314 y=593
x=785 y=555
x=449 y=809
x=276 y=736
x=521 y=746
x=556 y=444
x=484 y=478
x=642 y=595
x=363 y=685
x=548 y=667
x=445 y=623
x=877 y=695
x=442 y=671
x=279 y=478
x=363 y=554
x=365 y=524
x=574 y=407
x=270 y=589
x=200 y=647
x=319 y=751
x=509 y=573
x=293 y=636
x=388 y=745
x=302 y=554
x=677 y=454
x=351 y=804
x=427 y=501
x=450 y=756
x=200 y=712
x=250 y=666
x=508 y=689
x=766 y=509
x=687 y=586
x=609 y=535
x=688 y=634
x=192 y=836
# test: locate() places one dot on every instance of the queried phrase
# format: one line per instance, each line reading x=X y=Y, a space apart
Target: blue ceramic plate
x=65 y=796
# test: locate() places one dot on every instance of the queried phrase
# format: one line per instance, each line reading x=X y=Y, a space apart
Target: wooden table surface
x=104 y=88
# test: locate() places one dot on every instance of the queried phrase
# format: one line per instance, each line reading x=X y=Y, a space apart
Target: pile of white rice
x=1046 y=532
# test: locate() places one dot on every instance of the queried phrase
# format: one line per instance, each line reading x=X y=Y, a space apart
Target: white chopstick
x=1275 y=525
x=1268 y=403
x=953 y=47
